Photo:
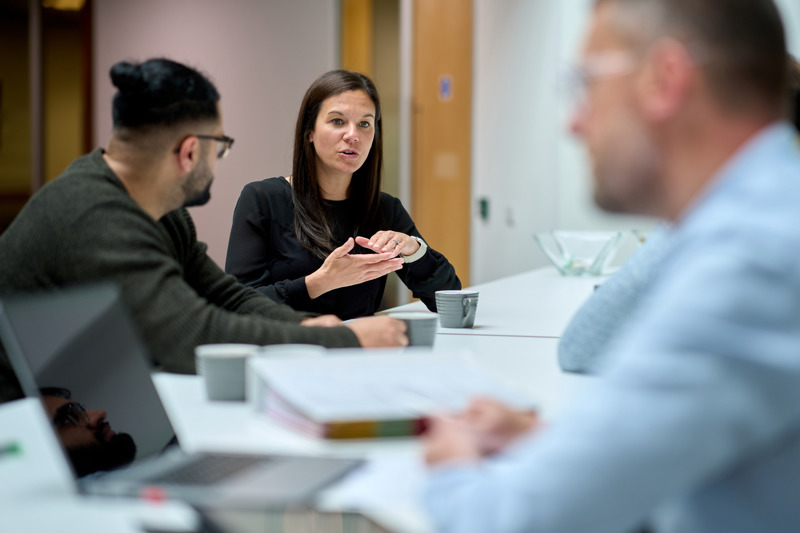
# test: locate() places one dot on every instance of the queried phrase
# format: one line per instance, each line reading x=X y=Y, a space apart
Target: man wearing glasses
x=119 y=214
x=694 y=423
x=91 y=443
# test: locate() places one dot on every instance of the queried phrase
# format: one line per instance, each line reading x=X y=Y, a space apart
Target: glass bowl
x=641 y=235
x=579 y=253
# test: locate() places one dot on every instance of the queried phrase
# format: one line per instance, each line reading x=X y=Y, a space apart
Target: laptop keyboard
x=207 y=470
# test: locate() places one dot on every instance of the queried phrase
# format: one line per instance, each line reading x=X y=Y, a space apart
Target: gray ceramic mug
x=457 y=309
x=421 y=326
x=222 y=367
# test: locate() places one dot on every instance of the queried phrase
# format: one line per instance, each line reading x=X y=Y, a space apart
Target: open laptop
x=81 y=340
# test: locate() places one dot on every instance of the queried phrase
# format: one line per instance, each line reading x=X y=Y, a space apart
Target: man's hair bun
x=127 y=77
x=161 y=92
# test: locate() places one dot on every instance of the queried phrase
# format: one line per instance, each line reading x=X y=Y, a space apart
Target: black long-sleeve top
x=264 y=253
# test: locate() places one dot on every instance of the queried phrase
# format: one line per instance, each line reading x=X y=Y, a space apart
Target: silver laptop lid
x=82 y=340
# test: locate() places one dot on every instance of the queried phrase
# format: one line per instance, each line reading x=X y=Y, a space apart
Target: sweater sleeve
x=250 y=249
x=219 y=288
x=432 y=272
x=176 y=295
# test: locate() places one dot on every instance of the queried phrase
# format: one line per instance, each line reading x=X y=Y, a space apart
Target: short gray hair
x=742 y=42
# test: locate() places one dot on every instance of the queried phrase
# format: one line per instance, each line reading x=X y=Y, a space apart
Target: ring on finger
x=395 y=241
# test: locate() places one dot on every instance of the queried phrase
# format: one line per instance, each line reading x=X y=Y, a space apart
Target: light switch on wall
x=510 y=220
x=483 y=208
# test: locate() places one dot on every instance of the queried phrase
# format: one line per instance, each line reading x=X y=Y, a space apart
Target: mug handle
x=466 y=304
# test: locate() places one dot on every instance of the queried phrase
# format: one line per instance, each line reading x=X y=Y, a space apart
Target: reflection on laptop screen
x=78 y=350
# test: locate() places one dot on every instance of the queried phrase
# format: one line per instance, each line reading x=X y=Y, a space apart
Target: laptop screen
x=77 y=348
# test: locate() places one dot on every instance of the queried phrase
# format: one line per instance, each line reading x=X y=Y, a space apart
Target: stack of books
x=354 y=394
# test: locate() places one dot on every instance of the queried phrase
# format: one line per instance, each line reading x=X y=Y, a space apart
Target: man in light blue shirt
x=694 y=425
x=600 y=318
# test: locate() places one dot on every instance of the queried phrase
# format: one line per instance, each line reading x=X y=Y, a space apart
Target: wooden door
x=441 y=127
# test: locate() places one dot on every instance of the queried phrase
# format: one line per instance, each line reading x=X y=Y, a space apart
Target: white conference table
x=518 y=323
x=537 y=303
x=526 y=364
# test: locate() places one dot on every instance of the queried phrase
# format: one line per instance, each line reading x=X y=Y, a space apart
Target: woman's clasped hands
x=343 y=269
x=390 y=241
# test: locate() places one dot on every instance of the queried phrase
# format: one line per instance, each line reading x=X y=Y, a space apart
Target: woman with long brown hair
x=324 y=238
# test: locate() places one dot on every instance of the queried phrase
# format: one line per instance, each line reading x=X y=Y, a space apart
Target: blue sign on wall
x=445 y=88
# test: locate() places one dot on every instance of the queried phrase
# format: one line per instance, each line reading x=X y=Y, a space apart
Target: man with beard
x=694 y=423
x=119 y=214
x=604 y=314
x=91 y=444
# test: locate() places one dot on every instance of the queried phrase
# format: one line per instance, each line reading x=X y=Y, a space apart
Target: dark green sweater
x=84 y=227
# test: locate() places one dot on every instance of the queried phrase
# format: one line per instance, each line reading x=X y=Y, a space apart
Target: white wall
x=524 y=162
x=513 y=167
x=534 y=174
x=261 y=55
x=790 y=11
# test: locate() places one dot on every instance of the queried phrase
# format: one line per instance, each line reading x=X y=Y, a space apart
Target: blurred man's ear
x=665 y=81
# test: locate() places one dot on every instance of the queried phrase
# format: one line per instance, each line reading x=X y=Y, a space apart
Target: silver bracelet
x=418 y=254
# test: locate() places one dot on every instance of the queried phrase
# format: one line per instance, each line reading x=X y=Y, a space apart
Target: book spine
x=368 y=429
x=282 y=412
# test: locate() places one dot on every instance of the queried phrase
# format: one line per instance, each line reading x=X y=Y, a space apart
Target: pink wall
x=261 y=55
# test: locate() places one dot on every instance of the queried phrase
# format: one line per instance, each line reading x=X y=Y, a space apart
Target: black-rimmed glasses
x=224 y=144
x=71 y=414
